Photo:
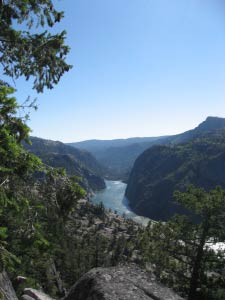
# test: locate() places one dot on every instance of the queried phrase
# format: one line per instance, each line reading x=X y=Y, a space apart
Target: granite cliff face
x=161 y=170
x=76 y=162
x=125 y=283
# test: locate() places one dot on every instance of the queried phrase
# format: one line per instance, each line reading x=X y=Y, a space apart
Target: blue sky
x=141 y=68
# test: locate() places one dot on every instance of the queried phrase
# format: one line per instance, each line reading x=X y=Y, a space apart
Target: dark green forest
x=161 y=170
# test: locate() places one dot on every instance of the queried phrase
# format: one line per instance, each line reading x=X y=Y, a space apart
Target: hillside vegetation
x=161 y=170
x=76 y=162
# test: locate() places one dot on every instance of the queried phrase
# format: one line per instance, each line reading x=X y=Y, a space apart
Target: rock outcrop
x=6 y=289
x=124 y=283
x=32 y=294
x=115 y=283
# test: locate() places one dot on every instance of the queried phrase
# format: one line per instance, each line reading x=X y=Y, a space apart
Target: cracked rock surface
x=119 y=283
x=6 y=289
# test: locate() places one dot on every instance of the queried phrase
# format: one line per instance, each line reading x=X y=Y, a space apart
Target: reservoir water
x=113 y=198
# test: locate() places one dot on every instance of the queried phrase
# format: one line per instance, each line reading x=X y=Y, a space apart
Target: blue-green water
x=113 y=198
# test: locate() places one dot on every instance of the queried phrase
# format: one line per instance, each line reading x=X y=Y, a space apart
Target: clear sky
x=141 y=68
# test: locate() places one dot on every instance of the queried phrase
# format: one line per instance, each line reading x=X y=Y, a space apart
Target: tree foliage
x=210 y=207
x=35 y=200
x=181 y=250
x=40 y=55
x=14 y=159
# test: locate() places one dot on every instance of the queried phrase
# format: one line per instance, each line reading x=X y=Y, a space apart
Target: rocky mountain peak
x=211 y=123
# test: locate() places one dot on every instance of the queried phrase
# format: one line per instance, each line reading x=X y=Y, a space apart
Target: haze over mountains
x=76 y=162
x=118 y=156
x=154 y=167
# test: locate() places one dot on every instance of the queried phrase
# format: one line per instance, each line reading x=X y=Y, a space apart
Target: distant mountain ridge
x=195 y=157
x=210 y=124
x=76 y=162
x=119 y=155
x=96 y=145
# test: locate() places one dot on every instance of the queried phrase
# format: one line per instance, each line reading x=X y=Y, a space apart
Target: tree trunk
x=197 y=265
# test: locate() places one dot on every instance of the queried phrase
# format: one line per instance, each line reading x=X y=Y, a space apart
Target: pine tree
x=32 y=53
x=180 y=250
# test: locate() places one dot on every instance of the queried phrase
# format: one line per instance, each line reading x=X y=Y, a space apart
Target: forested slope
x=76 y=162
x=161 y=170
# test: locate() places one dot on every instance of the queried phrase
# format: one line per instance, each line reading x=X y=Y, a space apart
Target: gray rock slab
x=35 y=294
x=119 y=283
x=26 y=297
x=6 y=289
